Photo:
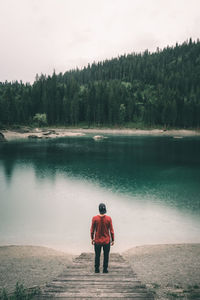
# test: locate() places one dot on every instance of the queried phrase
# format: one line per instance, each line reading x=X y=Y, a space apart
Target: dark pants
x=106 y=250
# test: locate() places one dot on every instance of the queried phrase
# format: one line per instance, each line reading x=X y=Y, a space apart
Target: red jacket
x=102 y=229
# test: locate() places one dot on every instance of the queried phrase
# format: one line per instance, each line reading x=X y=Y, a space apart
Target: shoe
x=96 y=270
x=105 y=271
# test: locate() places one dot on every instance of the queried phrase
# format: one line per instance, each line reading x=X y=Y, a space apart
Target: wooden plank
x=99 y=294
x=96 y=289
x=90 y=274
x=91 y=287
x=96 y=278
x=109 y=284
x=92 y=298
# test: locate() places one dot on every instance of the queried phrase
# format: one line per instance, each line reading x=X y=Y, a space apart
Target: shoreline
x=168 y=270
x=46 y=133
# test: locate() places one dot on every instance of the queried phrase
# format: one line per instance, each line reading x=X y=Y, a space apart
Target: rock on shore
x=2 y=137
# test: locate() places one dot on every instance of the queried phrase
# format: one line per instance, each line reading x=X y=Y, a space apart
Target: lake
x=50 y=189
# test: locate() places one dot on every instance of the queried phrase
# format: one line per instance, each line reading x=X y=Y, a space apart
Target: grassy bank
x=20 y=293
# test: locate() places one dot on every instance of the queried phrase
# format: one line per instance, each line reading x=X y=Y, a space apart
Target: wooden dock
x=78 y=281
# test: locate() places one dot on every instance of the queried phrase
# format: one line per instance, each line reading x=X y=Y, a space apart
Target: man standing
x=102 y=235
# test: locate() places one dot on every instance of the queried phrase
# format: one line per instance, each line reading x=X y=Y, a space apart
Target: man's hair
x=102 y=208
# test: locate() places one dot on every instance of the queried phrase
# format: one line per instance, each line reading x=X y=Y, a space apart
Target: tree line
x=153 y=89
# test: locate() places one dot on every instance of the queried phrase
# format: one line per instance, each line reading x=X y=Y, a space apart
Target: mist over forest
x=137 y=89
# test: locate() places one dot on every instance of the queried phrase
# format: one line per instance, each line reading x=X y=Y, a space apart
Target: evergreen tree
x=160 y=88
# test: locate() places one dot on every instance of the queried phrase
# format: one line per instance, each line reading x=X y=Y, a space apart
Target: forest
x=161 y=88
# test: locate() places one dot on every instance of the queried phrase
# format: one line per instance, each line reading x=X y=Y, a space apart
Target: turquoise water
x=50 y=189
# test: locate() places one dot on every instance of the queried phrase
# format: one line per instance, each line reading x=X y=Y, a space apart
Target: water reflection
x=163 y=167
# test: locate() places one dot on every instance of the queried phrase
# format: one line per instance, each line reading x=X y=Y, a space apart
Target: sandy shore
x=40 y=133
x=171 y=271
x=154 y=132
x=63 y=132
x=30 y=265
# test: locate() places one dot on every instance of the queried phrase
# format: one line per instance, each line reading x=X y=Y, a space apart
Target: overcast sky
x=37 y=36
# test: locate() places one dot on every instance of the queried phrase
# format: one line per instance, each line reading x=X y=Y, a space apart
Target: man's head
x=102 y=208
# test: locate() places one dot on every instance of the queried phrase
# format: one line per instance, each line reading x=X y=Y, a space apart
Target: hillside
x=151 y=89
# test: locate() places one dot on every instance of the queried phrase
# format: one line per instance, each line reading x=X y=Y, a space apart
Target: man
x=102 y=235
